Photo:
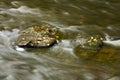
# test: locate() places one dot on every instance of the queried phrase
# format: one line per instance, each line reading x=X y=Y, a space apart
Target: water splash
x=20 y=10
x=7 y=37
x=111 y=41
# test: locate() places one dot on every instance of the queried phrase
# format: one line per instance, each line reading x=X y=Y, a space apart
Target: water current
x=63 y=61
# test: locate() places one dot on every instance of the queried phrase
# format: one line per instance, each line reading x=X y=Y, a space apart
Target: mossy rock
x=93 y=42
x=44 y=35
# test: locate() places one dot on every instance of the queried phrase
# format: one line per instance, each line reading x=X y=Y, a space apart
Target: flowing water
x=63 y=61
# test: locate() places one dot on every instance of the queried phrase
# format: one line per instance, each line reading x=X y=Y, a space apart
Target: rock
x=93 y=48
x=38 y=36
x=90 y=42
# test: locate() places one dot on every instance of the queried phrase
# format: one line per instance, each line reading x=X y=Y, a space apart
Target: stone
x=44 y=35
x=90 y=42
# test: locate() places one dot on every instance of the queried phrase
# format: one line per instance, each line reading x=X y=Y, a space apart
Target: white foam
x=66 y=43
x=19 y=49
x=107 y=37
x=6 y=37
x=21 y=10
x=111 y=42
x=66 y=13
x=71 y=28
x=16 y=3
x=114 y=43
x=109 y=27
x=24 y=9
x=65 y=47
x=8 y=34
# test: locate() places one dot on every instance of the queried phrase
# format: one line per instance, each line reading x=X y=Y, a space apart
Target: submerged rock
x=38 y=36
x=106 y=54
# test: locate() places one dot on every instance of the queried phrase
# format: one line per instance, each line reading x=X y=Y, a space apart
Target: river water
x=63 y=61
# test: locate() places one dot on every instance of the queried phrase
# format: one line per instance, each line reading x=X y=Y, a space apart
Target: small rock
x=91 y=42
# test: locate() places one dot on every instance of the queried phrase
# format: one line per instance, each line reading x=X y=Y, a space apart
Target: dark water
x=64 y=61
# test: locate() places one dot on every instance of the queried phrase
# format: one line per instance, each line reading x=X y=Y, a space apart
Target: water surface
x=63 y=61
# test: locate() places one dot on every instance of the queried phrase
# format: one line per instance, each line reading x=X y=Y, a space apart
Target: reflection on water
x=65 y=60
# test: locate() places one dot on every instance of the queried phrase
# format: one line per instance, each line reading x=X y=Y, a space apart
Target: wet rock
x=94 y=49
x=90 y=42
x=38 y=36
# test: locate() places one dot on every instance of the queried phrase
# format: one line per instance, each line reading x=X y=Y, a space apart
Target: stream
x=65 y=60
